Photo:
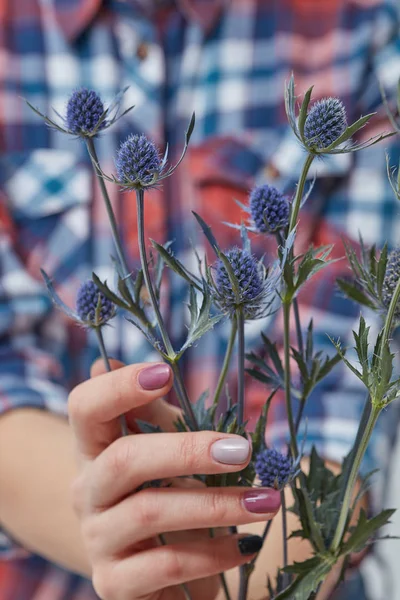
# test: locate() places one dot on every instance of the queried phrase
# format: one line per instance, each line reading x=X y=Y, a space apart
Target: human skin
x=79 y=511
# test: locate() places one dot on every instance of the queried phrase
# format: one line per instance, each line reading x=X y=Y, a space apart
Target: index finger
x=95 y=406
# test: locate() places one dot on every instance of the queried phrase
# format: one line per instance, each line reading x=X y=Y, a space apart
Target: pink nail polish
x=154 y=377
x=262 y=501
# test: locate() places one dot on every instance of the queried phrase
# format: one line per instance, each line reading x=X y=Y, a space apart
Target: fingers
x=166 y=566
x=153 y=511
x=95 y=405
x=130 y=461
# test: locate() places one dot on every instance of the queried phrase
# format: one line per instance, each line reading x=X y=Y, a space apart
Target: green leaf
x=313 y=572
x=174 y=264
x=146 y=427
x=103 y=287
x=350 y=131
x=303 y=111
x=355 y=293
x=364 y=530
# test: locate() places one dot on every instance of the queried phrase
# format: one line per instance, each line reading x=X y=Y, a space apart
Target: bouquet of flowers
x=239 y=287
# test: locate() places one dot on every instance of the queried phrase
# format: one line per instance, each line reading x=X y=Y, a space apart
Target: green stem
x=300 y=344
x=222 y=575
x=227 y=360
x=184 y=587
x=288 y=398
x=114 y=228
x=240 y=375
x=178 y=380
x=104 y=356
x=300 y=192
x=344 y=511
x=285 y=580
x=390 y=316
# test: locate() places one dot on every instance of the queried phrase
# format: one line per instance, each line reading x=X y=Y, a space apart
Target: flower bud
x=273 y=468
x=138 y=163
x=269 y=209
x=84 y=110
x=88 y=298
x=325 y=122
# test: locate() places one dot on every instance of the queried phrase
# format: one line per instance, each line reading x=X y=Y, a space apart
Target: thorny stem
x=344 y=510
x=241 y=353
x=222 y=575
x=390 y=316
x=285 y=541
x=299 y=192
x=183 y=585
x=296 y=311
x=227 y=360
x=114 y=228
x=288 y=399
x=178 y=381
x=104 y=356
x=244 y=581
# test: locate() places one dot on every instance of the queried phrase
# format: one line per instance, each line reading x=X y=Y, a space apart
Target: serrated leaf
x=146 y=427
x=354 y=293
x=314 y=572
x=350 y=131
x=174 y=264
x=103 y=287
x=364 y=530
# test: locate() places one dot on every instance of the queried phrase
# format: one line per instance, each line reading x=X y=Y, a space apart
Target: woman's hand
x=120 y=526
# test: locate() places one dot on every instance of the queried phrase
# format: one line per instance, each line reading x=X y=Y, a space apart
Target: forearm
x=37 y=467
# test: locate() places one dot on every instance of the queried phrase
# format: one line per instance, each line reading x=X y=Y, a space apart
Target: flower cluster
x=92 y=306
x=273 y=468
x=138 y=163
x=251 y=283
x=85 y=110
x=269 y=209
x=325 y=123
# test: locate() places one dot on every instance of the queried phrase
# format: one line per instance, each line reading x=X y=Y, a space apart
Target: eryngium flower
x=84 y=111
x=273 y=468
x=249 y=274
x=92 y=306
x=269 y=209
x=325 y=123
x=138 y=163
x=391 y=279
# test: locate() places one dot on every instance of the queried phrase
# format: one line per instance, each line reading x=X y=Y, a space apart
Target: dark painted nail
x=262 y=501
x=155 y=377
x=250 y=544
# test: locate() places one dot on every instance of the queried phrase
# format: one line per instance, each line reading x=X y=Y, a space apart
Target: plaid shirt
x=228 y=62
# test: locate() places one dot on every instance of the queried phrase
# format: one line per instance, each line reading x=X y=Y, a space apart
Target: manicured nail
x=262 y=501
x=231 y=451
x=250 y=544
x=155 y=377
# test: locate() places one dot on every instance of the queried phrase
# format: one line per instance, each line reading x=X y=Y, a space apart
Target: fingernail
x=231 y=451
x=262 y=501
x=155 y=377
x=250 y=544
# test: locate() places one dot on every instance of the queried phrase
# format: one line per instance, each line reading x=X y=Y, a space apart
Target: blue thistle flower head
x=85 y=110
x=325 y=123
x=391 y=278
x=269 y=209
x=274 y=469
x=249 y=275
x=138 y=163
x=92 y=306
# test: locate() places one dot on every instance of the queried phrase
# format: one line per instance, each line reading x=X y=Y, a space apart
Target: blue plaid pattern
x=230 y=67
